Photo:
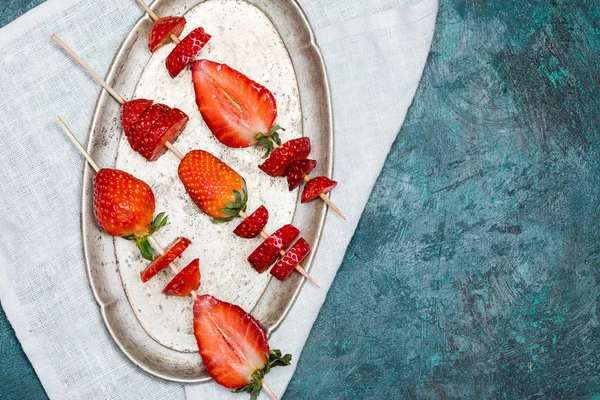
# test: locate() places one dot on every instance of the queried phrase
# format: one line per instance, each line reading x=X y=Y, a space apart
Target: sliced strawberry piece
x=293 y=257
x=142 y=126
x=281 y=157
x=232 y=343
x=187 y=280
x=171 y=253
x=296 y=170
x=267 y=252
x=161 y=31
x=251 y=226
x=130 y=113
x=234 y=107
x=316 y=186
x=167 y=128
x=187 y=49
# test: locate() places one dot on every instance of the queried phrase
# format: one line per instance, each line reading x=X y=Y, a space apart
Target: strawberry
x=187 y=49
x=131 y=112
x=236 y=109
x=161 y=31
x=281 y=157
x=251 y=226
x=167 y=128
x=296 y=170
x=267 y=252
x=317 y=186
x=140 y=129
x=293 y=257
x=214 y=186
x=187 y=280
x=171 y=253
x=124 y=206
x=233 y=345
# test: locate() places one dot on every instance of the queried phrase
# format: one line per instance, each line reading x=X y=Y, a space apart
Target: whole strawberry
x=124 y=206
x=214 y=186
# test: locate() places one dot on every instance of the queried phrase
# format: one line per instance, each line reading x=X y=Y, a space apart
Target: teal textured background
x=474 y=272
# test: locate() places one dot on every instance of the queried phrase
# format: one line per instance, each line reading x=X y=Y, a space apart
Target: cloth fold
x=374 y=53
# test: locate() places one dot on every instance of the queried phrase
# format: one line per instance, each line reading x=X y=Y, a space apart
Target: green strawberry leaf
x=145 y=248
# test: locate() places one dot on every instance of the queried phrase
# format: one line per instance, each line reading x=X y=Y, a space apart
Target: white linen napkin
x=375 y=53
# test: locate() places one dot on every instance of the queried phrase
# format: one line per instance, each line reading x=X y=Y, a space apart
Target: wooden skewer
x=174 y=38
x=169 y=145
x=87 y=69
x=298 y=268
x=268 y=390
x=89 y=158
x=153 y=15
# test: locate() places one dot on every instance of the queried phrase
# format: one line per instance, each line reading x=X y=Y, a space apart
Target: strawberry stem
x=141 y=239
x=269 y=139
x=232 y=209
x=274 y=359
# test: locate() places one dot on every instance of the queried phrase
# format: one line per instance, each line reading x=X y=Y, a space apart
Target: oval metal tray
x=101 y=253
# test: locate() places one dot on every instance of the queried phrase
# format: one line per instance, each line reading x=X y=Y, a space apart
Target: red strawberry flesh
x=267 y=252
x=123 y=204
x=161 y=31
x=186 y=281
x=187 y=49
x=296 y=170
x=251 y=226
x=171 y=253
x=143 y=125
x=130 y=113
x=232 y=343
x=294 y=256
x=234 y=107
x=282 y=157
x=166 y=129
x=316 y=186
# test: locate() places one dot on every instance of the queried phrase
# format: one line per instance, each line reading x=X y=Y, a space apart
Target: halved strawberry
x=281 y=157
x=161 y=31
x=233 y=345
x=316 y=186
x=235 y=108
x=187 y=49
x=296 y=170
x=294 y=256
x=131 y=112
x=214 y=186
x=187 y=280
x=267 y=252
x=142 y=126
x=251 y=226
x=167 y=128
x=171 y=253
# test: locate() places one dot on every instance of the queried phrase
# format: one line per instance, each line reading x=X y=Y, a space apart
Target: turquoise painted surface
x=474 y=272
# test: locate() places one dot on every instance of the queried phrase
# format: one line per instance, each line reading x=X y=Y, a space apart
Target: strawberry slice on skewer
x=267 y=252
x=165 y=129
x=317 y=186
x=251 y=226
x=131 y=112
x=235 y=108
x=294 y=256
x=214 y=186
x=284 y=155
x=186 y=50
x=142 y=126
x=172 y=252
x=233 y=346
x=161 y=31
x=186 y=281
x=124 y=206
x=296 y=170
